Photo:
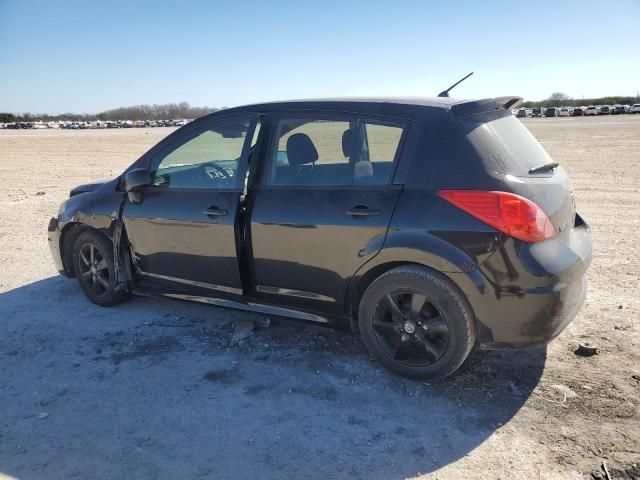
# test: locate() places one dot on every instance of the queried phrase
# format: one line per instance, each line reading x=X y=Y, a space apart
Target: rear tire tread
x=437 y=280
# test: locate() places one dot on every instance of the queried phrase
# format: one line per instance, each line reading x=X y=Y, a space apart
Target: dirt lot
x=153 y=388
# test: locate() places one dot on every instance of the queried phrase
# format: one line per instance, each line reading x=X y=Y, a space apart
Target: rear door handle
x=215 y=212
x=363 y=211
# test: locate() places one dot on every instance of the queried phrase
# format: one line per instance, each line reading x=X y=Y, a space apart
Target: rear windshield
x=506 y=145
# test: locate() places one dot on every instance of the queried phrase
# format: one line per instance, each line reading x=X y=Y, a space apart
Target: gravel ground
x=153 y=388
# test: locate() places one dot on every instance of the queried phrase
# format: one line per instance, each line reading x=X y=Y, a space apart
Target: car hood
x=94 y=186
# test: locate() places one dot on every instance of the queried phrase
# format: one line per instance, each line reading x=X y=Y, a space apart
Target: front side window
x=207 y=159
x=332 y=152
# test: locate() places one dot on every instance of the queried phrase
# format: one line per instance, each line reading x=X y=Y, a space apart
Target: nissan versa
x=431 y=226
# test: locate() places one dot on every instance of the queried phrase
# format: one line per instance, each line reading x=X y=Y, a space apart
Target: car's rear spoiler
x=474 y=107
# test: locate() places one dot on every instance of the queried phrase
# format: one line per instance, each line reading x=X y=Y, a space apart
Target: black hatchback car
x=428 y=225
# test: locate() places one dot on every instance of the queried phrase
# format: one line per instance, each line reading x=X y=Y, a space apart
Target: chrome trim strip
x=210 y=286
x=254 y=307
x=294 y=293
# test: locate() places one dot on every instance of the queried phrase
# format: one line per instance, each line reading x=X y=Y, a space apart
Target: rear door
x=322 y=205
x=184 y=230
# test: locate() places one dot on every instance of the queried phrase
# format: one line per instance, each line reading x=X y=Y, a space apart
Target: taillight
x=511 y=214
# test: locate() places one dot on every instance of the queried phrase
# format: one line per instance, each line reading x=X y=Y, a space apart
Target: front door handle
x=363 y=211
x=215 y=212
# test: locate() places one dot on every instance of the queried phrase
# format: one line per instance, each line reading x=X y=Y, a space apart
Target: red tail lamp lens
x=511 y=214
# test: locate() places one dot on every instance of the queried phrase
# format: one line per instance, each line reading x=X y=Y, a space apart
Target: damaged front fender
x=101 y=211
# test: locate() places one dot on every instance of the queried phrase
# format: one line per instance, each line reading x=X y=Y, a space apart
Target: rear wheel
x=416 y=323
x=94 y=269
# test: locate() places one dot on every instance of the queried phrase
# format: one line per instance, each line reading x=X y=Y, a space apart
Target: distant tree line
x=156 y=112
x=559 y=99
x=136 y=112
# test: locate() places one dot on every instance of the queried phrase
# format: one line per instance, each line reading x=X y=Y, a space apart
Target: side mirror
x=134 y=181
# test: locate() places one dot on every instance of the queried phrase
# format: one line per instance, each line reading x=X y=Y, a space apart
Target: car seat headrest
x=301 y=150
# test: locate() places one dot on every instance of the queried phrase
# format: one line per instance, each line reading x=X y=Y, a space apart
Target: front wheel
x=94 y=269
x=416 y=323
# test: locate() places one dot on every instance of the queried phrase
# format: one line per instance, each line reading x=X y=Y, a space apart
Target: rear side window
x=506 y=145
x=339 y=151
x=383 y=142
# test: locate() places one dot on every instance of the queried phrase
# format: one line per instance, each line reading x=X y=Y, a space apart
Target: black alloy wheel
x=94 y=270
x=410 y=328
x=416 y=322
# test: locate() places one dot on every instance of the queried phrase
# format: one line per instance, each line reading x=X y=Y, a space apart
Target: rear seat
x=303 y=170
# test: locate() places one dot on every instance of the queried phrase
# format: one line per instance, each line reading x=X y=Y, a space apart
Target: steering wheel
x=225 y=175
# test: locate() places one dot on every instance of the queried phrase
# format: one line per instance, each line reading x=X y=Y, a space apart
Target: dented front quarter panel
x=99 y=209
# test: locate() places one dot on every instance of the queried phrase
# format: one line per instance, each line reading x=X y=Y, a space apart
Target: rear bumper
x=543 y=316
x=525 y=295
x=53 y=237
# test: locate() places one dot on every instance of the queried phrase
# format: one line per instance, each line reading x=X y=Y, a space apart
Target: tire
x=97 y=284
x=439 y=332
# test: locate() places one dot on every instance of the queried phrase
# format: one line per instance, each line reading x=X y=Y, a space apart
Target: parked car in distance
x=551 y=112
x=522 y=113
x=604 y=110
x=537 y=112
x=619 y=109
x=635 y=108
x=591 y=110
x=563 y=112
x=346 y=213
x=577 y=112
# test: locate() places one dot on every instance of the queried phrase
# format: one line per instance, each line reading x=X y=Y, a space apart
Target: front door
x=184 y=230
x=322 y=206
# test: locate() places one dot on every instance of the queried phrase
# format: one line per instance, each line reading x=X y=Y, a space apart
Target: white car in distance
x=591 y=110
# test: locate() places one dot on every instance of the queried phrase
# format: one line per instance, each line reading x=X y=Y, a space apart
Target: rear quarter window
x=505 y=145
x=383 y=141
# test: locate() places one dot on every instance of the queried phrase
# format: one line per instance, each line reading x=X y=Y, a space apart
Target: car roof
x=395 y=106
x=404 y=107
x=442 y=102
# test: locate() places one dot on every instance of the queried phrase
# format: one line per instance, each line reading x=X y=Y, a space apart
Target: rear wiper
x=545 y=167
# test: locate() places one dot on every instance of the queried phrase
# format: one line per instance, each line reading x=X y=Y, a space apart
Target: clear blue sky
x=86 y=56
